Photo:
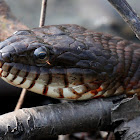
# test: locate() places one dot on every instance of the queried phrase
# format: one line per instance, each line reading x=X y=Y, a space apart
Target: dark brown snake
x=70 y=62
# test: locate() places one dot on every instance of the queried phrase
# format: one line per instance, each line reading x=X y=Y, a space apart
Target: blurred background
x=97 y=15
x=94 y=14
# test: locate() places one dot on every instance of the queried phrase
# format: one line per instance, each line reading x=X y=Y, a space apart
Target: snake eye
x=41 y=54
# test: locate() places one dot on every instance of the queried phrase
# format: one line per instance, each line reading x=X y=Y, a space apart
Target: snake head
x=63 y=61
x=24 y=47
x=46 y=47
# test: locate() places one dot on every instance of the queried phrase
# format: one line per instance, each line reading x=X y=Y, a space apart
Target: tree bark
x=108 y=114
x=128 y=113
x=52 y=120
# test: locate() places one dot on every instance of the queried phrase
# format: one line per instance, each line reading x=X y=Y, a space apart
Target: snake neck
x=132 y=70
x=128 y=67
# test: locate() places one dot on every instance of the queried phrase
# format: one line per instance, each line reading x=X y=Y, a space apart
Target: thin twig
x=103 y=134
x=63 y=137
x=128 y=15
x=21 y=99
x=43 y=13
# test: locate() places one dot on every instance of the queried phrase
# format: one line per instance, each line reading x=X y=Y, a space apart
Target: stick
x=43 y=13
x=21 y=99
x=128 y=14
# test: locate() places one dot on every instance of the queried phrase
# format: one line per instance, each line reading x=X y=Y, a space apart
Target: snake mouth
x=56 y=83
x=18 y=74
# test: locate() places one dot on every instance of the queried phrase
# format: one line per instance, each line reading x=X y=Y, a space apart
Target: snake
x=70 y=62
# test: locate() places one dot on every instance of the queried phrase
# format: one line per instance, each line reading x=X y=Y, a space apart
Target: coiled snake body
x=70 y=62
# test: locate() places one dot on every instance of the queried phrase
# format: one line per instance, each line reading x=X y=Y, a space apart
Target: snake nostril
x=6 y=57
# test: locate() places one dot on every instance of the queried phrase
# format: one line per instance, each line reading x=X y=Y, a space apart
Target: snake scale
x=70 y=62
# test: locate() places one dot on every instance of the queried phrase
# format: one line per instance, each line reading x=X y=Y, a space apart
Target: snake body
x=70 y=62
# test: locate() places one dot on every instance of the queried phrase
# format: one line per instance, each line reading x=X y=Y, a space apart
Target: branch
x=52 y=120
x=66 y=118
x=128 y=15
